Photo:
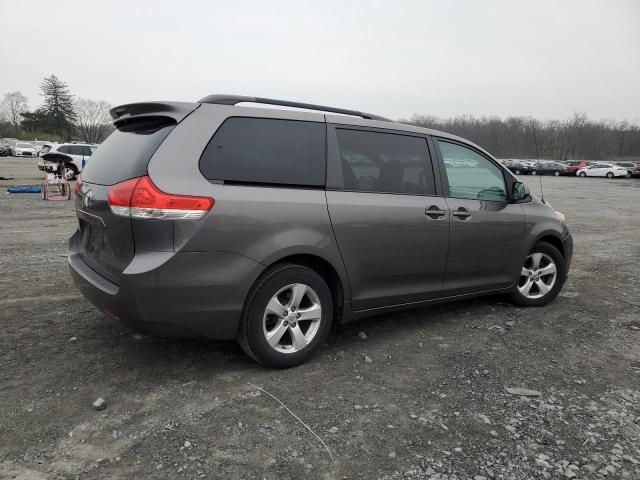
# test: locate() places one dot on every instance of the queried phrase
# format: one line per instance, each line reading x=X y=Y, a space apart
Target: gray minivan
x=269 y=225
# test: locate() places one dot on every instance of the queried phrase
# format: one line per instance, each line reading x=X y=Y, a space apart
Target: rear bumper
x=188 y=294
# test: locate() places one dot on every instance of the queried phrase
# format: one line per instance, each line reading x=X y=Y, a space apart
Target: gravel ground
x=433 y=402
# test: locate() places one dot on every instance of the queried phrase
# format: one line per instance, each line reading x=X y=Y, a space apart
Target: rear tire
x=556 y=173
x=609 y=175
x=517 y=172
x=287 y=316
x=533 y=172
x=582 y=174
x=542 y=287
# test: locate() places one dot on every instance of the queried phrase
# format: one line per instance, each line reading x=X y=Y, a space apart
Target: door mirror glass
x=520 y=191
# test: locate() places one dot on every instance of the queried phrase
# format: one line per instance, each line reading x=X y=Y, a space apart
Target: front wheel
x=609 y=175
x=542 y=276
x=556 y=173
x=287 y=316
x=533 y=172
x=582 y=174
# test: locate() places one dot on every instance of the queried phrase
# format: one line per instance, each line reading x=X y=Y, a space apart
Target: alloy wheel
x=538 y=275
x=292 y=318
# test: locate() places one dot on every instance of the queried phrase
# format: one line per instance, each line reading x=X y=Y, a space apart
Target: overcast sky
x=395 y=58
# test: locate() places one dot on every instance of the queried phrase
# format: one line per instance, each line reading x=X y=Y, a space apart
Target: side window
x=64 y=149
x=266 y=150
x=471 y=175
x=384 y=162
x=76 y=150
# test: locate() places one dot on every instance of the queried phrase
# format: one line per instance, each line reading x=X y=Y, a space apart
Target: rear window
x=266 y=151
x=124 y=154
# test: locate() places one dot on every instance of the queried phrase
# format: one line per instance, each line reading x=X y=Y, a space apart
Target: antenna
x=541 y=191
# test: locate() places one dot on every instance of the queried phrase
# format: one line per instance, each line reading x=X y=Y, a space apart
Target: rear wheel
x=542 y=276
x=582 y=174
x=517 y=172
x=609 y=175
x=556 y=173
x=287 y=317
x=533 y=172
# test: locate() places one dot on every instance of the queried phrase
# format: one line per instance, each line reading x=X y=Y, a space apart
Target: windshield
x=24 y=145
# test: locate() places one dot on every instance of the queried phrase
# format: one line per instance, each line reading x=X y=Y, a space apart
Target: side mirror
x=519 y=192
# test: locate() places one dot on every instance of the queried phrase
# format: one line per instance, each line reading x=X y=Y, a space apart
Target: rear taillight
x=140 y=198
x=78 y=185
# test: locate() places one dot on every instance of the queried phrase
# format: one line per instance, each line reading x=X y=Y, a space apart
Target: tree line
x=61 y=116
x=577 y=138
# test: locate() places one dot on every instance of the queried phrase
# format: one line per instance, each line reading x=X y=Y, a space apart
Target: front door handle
x=434 y=212
x=462 y=213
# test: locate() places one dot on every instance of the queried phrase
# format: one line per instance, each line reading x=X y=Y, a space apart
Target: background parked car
x=633 y=168
x=40 y=144
x=519 y=168
x=23 y=149
x=574 y=165
x=603 y=170
x=549 y=168
x=4 y=151
x=78 y=153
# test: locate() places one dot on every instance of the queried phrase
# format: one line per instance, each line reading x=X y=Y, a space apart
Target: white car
x=23 y=149
x=608 y=170
x=78 y=155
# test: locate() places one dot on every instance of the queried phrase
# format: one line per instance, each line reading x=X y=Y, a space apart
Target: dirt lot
x=431 y=404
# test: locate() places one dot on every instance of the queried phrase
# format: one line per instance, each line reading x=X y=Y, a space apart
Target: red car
x=574 y=165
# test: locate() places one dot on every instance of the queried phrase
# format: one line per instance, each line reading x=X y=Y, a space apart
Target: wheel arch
x=552 y=239
x=337 y=284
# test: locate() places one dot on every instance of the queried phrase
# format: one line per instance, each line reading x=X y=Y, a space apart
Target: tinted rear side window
x=385 y=162
x=268 y=151
x=124 y=155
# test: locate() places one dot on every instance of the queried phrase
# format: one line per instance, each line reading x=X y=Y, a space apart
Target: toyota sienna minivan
x=270 y=225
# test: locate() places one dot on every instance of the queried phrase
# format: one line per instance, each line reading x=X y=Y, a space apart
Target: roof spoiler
x=132 y=112
x=235 y=99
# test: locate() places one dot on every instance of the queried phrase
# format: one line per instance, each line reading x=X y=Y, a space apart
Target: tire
x=582 y=174
x=533 y=172
x=535 y=296
x=556 y=173
x=259 y=320
x=72 y=171
x=609 y=175
x=517 y=172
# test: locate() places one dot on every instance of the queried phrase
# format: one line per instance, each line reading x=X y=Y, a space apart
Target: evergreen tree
x=58 y=106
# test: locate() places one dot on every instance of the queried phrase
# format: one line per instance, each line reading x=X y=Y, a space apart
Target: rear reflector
x=140 y=198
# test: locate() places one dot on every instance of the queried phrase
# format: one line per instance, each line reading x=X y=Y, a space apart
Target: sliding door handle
x=434 y=212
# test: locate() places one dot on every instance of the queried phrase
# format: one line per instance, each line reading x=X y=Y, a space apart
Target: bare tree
x=524 y=137
x=92 y=119
x=13 y=105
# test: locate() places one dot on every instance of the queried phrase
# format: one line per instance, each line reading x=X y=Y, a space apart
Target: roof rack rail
x=235 y=99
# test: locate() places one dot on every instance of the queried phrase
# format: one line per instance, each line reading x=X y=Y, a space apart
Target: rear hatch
x=105 y=241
